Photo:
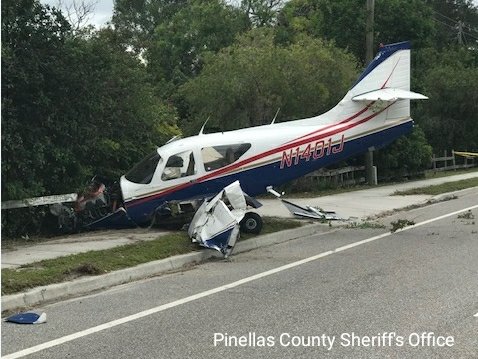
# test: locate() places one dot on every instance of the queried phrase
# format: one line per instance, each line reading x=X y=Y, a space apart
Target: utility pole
x=460 y=36
x=370 y=169
x=369 y=31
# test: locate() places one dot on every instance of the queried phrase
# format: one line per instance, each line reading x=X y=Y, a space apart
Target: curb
x=82 y=286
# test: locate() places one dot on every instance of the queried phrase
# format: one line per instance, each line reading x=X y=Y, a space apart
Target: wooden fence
x=356 y=174
x=452 y=162
x=349 y=175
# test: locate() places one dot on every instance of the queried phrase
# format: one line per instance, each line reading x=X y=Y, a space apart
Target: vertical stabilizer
x=384 y=85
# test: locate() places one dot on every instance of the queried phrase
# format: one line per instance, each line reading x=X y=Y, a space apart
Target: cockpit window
x=179 y=165
x=220 y=156
x=143 y=171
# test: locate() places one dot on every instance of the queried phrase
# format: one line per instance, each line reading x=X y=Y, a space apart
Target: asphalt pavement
x=349 y=293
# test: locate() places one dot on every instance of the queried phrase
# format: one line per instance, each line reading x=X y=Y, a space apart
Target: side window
x=179 y=165
x=143 y=171
x=220 y=156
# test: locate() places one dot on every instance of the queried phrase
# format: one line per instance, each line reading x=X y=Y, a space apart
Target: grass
x=440 y=174
x=441 y=188
x=66 y=268
x=365 y=225
x=401 y=223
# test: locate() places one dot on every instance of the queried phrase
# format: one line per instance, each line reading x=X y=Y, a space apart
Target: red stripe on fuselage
x=234 y=166
x=336 y=124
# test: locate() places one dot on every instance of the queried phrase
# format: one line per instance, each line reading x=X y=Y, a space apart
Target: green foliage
x=408 y=155
x=340 y=21
x=262 y=12
x=136 y=20
x=447 y=14
x=71 y=106
x=440 y=188
x=398 y=20
x=33 y=45
x=450 y=117
x=246 y=83
x=344 y=22
x=179 y=45
x=121 y=118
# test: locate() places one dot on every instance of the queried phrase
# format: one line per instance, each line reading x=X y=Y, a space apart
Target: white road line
x=207 y=293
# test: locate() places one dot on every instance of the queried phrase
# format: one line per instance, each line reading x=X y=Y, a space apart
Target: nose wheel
x=251 y=223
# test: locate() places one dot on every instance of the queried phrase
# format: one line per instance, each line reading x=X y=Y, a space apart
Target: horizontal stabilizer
x=389 y=94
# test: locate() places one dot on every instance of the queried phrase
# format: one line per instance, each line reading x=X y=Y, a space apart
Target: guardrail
x=40 y=201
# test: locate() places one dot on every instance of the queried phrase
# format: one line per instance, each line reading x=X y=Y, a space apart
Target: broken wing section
x=307 y=211
x=216 y=222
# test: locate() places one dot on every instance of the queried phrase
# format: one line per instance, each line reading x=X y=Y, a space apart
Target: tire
x=251 y=223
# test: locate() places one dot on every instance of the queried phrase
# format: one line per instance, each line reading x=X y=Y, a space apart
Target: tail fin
x=386 y=80
x=389 y=68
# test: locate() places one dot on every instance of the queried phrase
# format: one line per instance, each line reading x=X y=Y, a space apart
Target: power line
x=446 y=17
x=454 y=21
x=459 y=26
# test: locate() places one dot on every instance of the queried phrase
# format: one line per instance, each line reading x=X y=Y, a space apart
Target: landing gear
x=251 y=223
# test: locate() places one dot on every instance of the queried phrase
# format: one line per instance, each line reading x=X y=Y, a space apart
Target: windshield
x=143 y=171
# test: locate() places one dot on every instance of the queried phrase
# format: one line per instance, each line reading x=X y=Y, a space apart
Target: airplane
x=186 y=173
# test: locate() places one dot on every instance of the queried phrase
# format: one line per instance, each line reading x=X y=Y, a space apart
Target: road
x=351 y=286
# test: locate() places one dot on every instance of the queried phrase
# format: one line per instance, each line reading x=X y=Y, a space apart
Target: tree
x=399 y=20
x=71 y=106
x=245 y=84
x=262 y=12
x=136 y=20
x=120 y=117
x=450 y=117
x=78 y=13
x=409 y=155
x=456 y=22
x=178 y=46
x=343 y=21
x=33 y=44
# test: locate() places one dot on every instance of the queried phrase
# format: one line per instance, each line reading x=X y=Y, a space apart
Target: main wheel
x=251 y=223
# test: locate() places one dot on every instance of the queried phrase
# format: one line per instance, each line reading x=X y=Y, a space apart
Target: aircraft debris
x=307 y=211
x=216 y=223
x=27 y=318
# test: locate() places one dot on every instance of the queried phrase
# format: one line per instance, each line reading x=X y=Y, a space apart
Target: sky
x=104 y=9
